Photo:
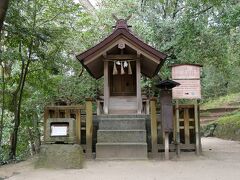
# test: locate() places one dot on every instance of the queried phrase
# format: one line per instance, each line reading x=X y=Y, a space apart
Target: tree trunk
x=17 y=101
x=17 y=98
x=2 y=108
x=3 y=11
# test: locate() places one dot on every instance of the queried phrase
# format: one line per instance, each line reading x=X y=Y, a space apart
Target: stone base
x=66 y=156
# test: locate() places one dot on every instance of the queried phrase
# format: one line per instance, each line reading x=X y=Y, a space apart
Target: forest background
x=40 y=38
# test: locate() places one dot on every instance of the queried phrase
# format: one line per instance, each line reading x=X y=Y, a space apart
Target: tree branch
x=203 y=11
x=48 y=20
x=175 y=11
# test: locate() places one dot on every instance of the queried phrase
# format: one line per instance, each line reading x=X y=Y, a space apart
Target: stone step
x=110 y=116
x=123 y=105
x=122 y=111
x=122 y=123
x=121 y=151
x=120 y=136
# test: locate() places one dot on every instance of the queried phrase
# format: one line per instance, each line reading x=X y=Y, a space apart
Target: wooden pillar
x=147 y=107
x=46 y=116
x=186 y=126
x=153 y=115
x=78 y=126
x=166 y=146
x=67 y=113
x=139 y=94
x=98 y=107
x=200 y=143
x=177 y=130
x=89 y=127
x=106 y=88
x=56 y=113
x=196 y=127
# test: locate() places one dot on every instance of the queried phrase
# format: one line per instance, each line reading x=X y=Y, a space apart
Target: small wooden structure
x=121 y=58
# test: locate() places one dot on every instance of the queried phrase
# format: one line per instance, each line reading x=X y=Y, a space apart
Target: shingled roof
x=150 y=58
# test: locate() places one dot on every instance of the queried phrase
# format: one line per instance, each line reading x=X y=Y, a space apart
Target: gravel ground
x=220 y=161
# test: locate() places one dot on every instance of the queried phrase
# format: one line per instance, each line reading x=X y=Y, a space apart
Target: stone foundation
x=66 y=156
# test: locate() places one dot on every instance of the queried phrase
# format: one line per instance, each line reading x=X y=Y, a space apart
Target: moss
x=221 y=101
x=228 y=127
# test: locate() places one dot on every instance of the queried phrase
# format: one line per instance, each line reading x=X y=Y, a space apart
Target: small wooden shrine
x=127 y=124
x=121 y=58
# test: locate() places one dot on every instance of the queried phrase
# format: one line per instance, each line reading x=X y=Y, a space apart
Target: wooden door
x=123 y=84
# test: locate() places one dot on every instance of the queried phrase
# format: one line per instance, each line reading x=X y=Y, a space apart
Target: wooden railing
x=185 y=130
x=84 y=121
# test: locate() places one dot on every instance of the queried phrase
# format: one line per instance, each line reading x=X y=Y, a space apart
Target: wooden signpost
x=188 y=75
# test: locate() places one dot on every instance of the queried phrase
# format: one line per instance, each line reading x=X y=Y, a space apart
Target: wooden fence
x=185 y=135
x=186 y=126
x=84 y=122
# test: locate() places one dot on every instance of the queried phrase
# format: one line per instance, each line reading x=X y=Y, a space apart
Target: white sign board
x=189 y=78
x=59 y=130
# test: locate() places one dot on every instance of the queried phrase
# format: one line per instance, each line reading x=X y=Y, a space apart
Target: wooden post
x=147 y=106
x=89 y=127
x=98 y=107
x=186 y=126
x=200 y=143
x=153 y=115
x=56 y=113
x=106 y=88
x=166 y=145
x=138 y=79
x=196 y=127
x=177 y=130
x=46 y=116
x=67 y=113
x=78 y=126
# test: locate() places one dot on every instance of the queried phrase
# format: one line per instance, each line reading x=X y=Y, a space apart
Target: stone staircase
x=121 y=137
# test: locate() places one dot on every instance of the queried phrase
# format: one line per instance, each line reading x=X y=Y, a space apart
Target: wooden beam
x=66 y=107
x=106 y=88
x=121 y=57
x=153 y=115
x=139 y=92
x=172 y=147
x=78 y=126
x=89 y=127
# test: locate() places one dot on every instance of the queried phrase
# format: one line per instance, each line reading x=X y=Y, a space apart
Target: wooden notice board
x=189 y=78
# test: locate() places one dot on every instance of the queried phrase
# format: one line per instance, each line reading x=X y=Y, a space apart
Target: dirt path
x=220 y=161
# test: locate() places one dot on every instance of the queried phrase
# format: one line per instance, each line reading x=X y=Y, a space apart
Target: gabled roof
x=151 y=59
